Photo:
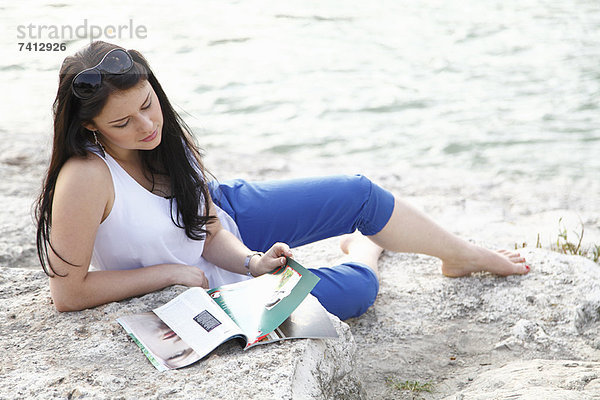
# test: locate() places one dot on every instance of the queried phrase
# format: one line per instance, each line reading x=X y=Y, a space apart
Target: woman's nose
x=146 y=123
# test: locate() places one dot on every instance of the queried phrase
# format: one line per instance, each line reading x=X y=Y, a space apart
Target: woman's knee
x=346 y=290
x=377 y=207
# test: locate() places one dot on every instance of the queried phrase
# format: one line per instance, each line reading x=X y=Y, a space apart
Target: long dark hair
x=177 y=156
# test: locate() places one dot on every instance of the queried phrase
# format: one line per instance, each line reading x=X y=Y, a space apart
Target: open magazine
x=269 y=308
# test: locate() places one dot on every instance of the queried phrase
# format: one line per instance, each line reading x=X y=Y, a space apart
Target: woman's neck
x=123 y=156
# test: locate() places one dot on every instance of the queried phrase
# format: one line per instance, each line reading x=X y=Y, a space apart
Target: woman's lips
x=151 y=136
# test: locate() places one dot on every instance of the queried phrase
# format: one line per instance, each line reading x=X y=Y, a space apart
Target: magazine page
x=198 y=320
x=309 y=320
x=260 y=305
x=158 y=342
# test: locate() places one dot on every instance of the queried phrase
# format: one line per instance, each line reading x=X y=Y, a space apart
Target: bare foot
x=501 y=262
x=361 y=249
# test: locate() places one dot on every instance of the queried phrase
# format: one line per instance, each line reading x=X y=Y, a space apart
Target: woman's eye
x=125 y=124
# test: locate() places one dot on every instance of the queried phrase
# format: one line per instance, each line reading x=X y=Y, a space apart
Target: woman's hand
x=273 y=258
x=190 y=276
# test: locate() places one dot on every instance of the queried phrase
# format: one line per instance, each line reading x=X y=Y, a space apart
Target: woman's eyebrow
x=120 y=119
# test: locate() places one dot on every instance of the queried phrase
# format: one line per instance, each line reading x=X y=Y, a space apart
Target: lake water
x=506 y=88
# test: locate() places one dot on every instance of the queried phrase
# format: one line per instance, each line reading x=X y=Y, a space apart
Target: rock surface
x=470 y=336
x=479 y=337
x=46 y=354
x=536 y=379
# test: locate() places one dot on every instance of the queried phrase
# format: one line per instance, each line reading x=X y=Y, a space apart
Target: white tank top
x=139 y=232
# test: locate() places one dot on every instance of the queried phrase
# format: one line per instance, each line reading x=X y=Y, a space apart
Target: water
x=506 y=88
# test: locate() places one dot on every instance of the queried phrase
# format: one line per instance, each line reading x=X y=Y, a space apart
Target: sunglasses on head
x=86 y=83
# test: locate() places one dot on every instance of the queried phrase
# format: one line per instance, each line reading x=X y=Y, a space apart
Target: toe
x=516 y=259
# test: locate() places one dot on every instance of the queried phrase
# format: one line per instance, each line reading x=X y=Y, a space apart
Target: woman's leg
x=347 y=290
x=409 y=230
x=361 y=249
x=306 y=210
x=302 y=211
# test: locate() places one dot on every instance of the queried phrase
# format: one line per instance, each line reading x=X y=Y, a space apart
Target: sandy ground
x=423 y=327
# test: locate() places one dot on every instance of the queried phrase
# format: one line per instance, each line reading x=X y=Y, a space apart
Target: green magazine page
x=260 y=305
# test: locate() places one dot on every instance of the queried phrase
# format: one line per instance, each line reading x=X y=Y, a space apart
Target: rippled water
x=510 y=88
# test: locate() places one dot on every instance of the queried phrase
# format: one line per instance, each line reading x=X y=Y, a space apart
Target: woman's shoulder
x=83 y=187
x=88 y=171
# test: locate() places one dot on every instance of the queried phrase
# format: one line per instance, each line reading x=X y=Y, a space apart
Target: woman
x=126 y=191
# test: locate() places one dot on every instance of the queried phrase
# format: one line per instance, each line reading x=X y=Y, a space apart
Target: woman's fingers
x=273 y=261
x=274 y=258
x=192 y=276
x=279 y=253
x=205 y=284
x=281 y=249
x=204 y=281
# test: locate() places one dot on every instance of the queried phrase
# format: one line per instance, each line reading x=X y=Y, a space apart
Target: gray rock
x=536 y=379
x=587 y=313
x=427 y=328
x=46 y=354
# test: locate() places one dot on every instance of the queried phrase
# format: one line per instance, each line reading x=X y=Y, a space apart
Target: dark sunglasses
x=86 y=83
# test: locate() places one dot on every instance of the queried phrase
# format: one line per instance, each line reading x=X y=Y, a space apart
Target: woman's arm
x=82 y=199
x=225 y=250
x=101 y=287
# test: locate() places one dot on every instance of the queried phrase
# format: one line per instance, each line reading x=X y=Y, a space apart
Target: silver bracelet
x=247 y=262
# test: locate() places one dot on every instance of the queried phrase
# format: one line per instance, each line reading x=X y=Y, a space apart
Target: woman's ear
x=89 y=126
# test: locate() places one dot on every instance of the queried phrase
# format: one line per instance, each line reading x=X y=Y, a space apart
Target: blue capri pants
x=306 y=210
